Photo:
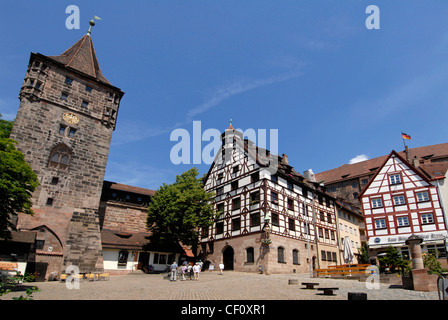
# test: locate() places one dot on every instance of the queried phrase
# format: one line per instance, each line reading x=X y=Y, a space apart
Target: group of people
x=189 y=271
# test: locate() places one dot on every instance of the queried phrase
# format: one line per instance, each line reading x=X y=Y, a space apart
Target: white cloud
x=131 y=132
x=233 y=88
x=359 y=158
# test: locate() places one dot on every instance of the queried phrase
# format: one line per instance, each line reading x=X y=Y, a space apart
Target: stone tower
x=67 y=114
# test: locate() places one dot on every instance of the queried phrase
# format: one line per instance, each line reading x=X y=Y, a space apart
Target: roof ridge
x=75 y=54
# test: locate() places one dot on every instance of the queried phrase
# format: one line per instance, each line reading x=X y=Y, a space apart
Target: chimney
x=415 y=162
x=408 y=159
x=285 y=159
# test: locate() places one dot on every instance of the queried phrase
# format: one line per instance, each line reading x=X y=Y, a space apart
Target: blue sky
x=311 y=69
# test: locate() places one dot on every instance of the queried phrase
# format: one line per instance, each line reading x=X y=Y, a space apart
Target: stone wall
x=64 y=129
x=123 y=216
x=265 y=256
x=83 y=247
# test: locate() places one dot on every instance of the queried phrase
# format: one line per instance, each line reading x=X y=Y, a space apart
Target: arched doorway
x=227 y=258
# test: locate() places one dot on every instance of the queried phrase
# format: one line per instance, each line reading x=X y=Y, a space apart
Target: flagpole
x=404 y=143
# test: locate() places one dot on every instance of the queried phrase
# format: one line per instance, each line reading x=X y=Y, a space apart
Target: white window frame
x=402 y=221
x=395 y=178
x=422 y=196
x=427 y=218
x=399 y=200
x=380 y=223
x=374 y=203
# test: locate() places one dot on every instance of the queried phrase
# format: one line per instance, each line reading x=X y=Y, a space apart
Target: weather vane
x=92 y=23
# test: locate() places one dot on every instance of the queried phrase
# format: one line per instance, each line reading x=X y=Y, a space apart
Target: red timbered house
x=400 y=200
x=274 y=221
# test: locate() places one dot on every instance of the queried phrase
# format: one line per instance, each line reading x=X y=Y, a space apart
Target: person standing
x=184 y=271
x=190 y=271
x=221 y=268
x=174 y=268
x=196 y=270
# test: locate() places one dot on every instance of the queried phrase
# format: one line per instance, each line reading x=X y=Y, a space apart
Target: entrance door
x=143 y=260
x=227 y=258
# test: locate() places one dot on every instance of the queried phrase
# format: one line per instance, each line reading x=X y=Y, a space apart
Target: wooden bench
x=348 y=265
x=328 y=291
x=342 y=270
x=309 y=285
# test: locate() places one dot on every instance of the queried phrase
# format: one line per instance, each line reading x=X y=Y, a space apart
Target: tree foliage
x=178 y=211
x=17 y=181
x=394 y=261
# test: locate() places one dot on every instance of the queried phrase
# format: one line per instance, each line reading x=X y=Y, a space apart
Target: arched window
x=60 y=157
x=295 y=256
x=281 y=254
x=250 y=255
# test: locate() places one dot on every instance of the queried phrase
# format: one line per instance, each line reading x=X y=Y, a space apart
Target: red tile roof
x=81 y=57
x=127 y=188
x=350 y=171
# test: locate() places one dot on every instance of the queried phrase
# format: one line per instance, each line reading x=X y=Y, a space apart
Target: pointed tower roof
x=82 y=57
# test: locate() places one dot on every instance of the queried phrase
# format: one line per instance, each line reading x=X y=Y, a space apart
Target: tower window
x=88 y=89
x=64 y=96
x=59 y=157
x=49 y=201
x=84 y=104
x=54 y=180
x=71 y=133
x=62 y=129
x=68 y=80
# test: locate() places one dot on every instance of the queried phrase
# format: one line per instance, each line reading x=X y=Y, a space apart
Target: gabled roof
x=82 y=57
x=396 y=154
x=263 y=158
x=350 y=171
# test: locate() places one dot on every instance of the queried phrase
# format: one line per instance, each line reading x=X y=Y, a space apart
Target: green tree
x=178 y=211
x=394 y=260
x=364 y=254
x=432 y=265
x=5 y=127
x=17 y=181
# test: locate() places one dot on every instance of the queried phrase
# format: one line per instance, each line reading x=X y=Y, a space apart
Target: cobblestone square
x=212 y=286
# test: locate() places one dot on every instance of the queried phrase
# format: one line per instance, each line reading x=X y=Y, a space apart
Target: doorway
x=143 y=261
x=228 y=257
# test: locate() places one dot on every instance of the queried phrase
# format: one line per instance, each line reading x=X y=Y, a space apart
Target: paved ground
x=211 y=286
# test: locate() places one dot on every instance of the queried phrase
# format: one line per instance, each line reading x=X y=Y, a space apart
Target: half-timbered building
x=401 y=200
x=269 y=218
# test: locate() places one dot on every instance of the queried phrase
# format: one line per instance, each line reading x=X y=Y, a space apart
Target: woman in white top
x=196 y=270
